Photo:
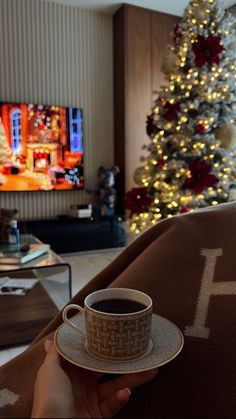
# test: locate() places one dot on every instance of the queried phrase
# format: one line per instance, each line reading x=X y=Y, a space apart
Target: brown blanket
x=188 y=266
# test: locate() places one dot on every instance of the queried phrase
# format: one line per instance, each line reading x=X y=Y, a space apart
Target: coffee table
x=23 y=317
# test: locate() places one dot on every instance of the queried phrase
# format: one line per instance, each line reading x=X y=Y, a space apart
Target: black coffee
x=118 y=306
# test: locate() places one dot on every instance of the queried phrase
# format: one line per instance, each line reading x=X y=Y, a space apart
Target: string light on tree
x=191 y=161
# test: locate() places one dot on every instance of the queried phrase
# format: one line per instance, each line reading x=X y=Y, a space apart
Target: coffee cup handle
x=69 y=321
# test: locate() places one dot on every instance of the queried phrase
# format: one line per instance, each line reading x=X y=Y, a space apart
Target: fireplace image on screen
x=41 y=147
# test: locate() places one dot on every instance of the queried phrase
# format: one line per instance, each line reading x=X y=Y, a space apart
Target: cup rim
x=123 y=295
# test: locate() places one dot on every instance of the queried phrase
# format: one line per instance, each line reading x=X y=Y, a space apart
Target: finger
x=52 y=355
x=127 y=380
x=114 y=403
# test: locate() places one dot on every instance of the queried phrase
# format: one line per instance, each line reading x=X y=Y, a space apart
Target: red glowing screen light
x=41 y=147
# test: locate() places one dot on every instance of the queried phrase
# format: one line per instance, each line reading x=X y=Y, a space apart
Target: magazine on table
x=20 y=257
x=17 y=287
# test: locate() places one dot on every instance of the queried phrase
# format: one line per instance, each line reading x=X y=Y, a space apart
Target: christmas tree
x=5 y=150
x=190 y=161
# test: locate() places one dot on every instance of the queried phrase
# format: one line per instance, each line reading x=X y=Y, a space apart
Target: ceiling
x=173 y=7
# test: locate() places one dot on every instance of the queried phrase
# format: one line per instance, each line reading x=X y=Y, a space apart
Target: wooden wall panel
x=140 y=36
x=119 y=103
x=138 y=85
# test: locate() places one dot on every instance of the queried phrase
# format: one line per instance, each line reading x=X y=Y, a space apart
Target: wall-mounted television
x=41 y=147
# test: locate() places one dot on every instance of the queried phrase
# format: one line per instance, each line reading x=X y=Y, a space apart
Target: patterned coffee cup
x=118 y=323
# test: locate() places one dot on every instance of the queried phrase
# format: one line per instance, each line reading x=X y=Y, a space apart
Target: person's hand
x=72 y=392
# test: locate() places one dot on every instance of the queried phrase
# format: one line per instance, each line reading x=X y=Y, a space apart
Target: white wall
x=56 y=54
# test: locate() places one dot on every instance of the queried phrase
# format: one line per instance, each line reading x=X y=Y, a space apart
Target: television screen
x=41 y=147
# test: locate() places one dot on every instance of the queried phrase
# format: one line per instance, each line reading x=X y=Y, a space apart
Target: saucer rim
x=119 y=363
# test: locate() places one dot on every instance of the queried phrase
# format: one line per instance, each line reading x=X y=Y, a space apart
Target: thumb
x=52 y=355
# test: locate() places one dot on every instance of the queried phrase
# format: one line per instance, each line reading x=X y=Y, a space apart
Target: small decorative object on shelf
x=105 y=192
x=14 y=236
x=6 y=217
x=80 y=211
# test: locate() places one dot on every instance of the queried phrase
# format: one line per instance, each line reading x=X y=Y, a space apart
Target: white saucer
x=166 y=343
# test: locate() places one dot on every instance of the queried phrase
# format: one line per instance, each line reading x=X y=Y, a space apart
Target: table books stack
x=8 y=257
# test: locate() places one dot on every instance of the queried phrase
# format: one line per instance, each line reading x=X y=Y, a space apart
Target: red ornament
x=200 y=177
x=171 y=110
x=207 y=50
x=161 y=163
x=137 y=200
x=184 y=210
x=201 y=128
